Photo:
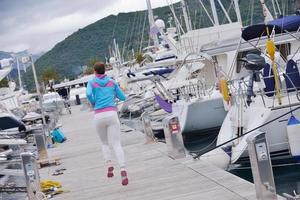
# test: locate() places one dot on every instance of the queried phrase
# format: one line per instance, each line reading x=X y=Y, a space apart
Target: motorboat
x=52 y=101
x=78 y=92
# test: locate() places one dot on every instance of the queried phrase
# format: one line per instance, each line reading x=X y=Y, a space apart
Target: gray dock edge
x=152 y=174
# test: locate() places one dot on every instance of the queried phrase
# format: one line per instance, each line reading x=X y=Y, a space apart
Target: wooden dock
x=152 y=174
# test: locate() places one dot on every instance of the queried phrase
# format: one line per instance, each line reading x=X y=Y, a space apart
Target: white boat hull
x=255 y=116
x=201 y=114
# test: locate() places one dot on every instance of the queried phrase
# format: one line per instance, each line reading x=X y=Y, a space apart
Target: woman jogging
x=101 y=93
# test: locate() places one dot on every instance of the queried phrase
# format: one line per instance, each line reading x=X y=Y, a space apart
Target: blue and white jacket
x=101 y=92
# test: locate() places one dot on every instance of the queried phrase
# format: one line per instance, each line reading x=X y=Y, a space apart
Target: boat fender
x=270 y=46
x=217 y=157
x=293 y=133
x=224 y=89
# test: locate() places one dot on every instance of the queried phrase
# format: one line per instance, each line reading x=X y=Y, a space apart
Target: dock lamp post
x=30 y=59
x=19 y=71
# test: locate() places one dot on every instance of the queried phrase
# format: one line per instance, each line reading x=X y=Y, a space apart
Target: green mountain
x=4 y=54
x=94 y=40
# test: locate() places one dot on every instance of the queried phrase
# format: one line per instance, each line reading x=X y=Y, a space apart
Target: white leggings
x=108 y=128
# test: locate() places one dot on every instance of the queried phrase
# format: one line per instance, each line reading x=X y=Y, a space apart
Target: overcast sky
x=37 y=25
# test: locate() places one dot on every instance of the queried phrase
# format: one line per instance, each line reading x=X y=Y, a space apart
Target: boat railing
x=186 y=46
x=241 y=89
x=193 y=90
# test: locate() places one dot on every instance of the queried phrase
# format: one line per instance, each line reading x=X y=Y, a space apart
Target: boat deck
x=152 y=174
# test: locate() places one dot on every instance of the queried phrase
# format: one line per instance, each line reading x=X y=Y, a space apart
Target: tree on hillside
x=139 y=57
x=90 y=66
x=49 y=74
x=4 y=83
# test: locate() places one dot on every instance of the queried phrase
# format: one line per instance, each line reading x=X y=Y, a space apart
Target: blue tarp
x=292 y=76
x=159 y=72
x=286 y=23
x=269 y=80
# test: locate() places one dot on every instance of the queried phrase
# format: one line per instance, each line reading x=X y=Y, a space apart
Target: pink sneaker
x=110 y=172
x=124 y=178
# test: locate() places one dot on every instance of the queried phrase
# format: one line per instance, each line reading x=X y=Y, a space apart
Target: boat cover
x=159 y=72
x=164 y=104
x=269 y=80
x=292 y=77
x=287 y=23
x=8 y=122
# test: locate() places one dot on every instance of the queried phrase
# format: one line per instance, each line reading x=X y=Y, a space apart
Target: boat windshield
x=51 y=96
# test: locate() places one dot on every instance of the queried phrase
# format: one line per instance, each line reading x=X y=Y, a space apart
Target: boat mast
x=19 y=74
x=297 y=5
x=151 y=21
x=207 y=13
x=187 y=20
x=117 y=52
x=274 y=8
x=224 y=10
x=237 y=11
x=267 y=15
x=214 y=11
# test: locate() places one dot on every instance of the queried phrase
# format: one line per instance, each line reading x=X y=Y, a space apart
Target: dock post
x=173 y=137
x=147 y=128
x=261 y=166
x=31 y=173
x=41 y=144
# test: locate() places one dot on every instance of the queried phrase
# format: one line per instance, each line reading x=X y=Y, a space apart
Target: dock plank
x=152 y=174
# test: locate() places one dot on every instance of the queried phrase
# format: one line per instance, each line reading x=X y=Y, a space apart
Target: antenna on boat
x=151 y=22
x=187 y=20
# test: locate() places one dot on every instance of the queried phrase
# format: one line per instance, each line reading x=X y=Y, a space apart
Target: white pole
x=214 y=11
x=225 y=12
x=274 y=8
x=24 y=67
x=38 y=90
x=186 y=17
x=238 y=12
x=212 y=21
x=151 y=21
x=19 y=74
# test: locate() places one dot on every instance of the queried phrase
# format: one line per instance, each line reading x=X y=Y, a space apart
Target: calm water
x=287 y=178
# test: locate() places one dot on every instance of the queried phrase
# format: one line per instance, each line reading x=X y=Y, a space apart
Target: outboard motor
x=254 y=63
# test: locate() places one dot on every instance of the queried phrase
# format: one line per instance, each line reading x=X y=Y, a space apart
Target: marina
x=180 y=111
x=152 y=173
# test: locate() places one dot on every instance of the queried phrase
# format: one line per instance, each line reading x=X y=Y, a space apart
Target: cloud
x=38 y=25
